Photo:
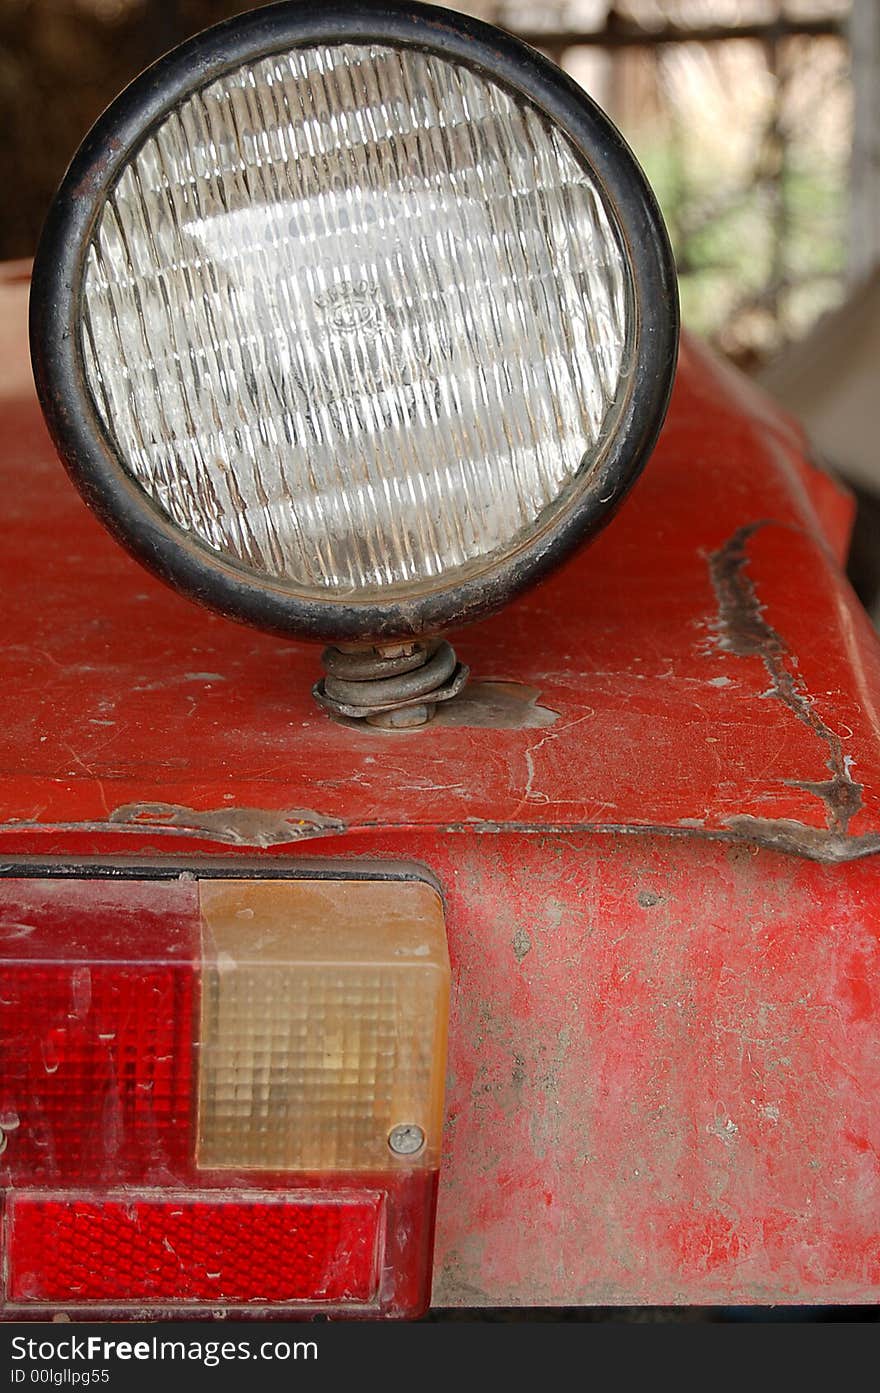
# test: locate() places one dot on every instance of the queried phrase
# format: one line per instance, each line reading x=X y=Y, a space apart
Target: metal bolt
x=407 y=1139
x=395 y=687
x=403 y=718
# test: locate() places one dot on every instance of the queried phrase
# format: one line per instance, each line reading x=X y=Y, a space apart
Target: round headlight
x=350 y=321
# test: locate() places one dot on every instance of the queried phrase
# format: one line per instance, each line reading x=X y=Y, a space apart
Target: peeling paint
x=522 y=943
x=723 y=1127
x=741 y=629
x=234 y=826
x=815 y=843
x=498 y=705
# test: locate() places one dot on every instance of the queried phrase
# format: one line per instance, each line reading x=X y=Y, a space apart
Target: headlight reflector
x=357 y=320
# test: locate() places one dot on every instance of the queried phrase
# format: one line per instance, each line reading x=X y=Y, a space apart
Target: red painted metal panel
x=706 y=658
x=665 y=1043
x=664 y=1071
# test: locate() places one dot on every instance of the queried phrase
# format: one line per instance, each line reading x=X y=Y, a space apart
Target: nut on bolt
x=395 y=687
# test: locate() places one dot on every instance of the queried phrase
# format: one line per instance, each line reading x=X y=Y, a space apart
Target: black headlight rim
x=85 y=446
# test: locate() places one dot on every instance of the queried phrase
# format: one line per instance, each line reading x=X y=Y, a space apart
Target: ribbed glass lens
x=358 y=319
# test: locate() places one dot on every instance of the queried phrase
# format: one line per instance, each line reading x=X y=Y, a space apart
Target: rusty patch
x=257 y=828
x=741 y=629
x=497 y=705
x=233 y=826
x=91 y=184
x=274 y=829
x=522 y=943
x=784 y=834
x=813 y=843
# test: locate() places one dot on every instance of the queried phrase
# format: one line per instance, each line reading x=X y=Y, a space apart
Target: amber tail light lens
x=220 y=1095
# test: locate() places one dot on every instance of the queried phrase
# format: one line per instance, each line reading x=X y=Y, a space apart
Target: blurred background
x=757 y=121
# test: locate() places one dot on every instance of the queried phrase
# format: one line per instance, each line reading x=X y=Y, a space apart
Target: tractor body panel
x=654 y=816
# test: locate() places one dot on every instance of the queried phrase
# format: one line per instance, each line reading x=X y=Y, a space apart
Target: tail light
x=220 y=1095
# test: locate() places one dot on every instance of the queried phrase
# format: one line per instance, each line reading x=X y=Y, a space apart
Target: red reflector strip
x=192 y=1248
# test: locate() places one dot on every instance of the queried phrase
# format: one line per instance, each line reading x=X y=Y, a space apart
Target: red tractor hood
x=704 y=669
x=651 y=816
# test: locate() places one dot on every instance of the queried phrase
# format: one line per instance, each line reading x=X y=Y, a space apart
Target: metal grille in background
x=740 y=111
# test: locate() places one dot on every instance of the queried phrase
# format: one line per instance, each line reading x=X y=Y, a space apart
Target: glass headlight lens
x=363 y=336
x=357 y=319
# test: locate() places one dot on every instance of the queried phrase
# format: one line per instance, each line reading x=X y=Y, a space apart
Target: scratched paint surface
x=708 y=664
x=663 y=1074
x=664 y=1065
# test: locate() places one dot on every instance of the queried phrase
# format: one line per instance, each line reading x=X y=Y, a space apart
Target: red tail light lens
x=107 y=1052
x=240 y=1056
x=271 y=1249
x=98 y=990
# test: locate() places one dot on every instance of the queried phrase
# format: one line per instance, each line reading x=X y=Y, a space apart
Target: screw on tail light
x=199 y=1083
x=351 y=321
